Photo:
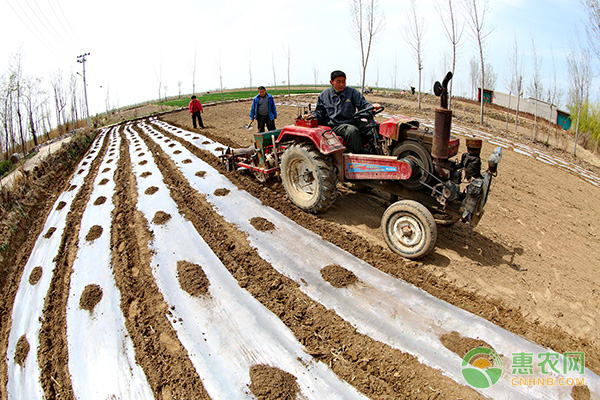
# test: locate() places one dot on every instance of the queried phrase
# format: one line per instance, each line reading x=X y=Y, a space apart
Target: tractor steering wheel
x=367 y=112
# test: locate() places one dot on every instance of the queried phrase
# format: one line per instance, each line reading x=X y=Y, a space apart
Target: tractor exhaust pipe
x=443 y=123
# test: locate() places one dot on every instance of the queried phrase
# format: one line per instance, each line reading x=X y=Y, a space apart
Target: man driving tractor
x=336 y=107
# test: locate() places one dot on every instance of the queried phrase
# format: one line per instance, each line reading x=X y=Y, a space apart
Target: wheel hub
x=305 y=179
x=407 y=231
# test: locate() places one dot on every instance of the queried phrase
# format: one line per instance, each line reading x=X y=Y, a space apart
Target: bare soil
x=529 y=267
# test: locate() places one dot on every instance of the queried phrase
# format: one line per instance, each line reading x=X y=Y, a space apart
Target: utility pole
x=81 y=59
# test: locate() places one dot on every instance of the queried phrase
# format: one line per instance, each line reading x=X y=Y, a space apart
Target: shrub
x=5 y=167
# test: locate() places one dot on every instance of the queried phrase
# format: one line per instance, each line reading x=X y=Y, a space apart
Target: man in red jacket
x=196 y=111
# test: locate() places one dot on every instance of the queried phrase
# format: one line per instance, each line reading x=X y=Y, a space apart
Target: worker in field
x=196 y=111
x=263 y=110
x=336 y=107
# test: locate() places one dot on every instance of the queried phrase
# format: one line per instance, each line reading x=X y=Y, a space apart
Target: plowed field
x=155 y=273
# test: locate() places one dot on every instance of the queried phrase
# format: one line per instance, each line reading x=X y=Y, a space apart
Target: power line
x=66 y=20
x=47 y=25
x=31 y=26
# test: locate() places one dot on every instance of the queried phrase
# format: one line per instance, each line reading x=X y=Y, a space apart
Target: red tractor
x=403 y=159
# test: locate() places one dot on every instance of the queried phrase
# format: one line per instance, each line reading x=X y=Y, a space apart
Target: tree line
x=32 y=111
x=456 y=16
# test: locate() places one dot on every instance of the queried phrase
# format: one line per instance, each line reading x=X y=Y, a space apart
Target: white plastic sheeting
x=101 y=356
x=380 y=306
x=227 y=331
x=24 y=381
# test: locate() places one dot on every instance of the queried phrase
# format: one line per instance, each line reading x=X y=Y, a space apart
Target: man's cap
x=337 y=74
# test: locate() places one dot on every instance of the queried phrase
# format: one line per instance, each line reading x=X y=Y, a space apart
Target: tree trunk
x=549 y=124
x=508 y=109
x=32 y=127
x=535 y=120
x=577 y=131
x=517 y=113
x=419 y=95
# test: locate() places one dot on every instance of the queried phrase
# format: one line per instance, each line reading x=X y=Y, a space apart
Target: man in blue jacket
x=335 y=108
x=263 y=110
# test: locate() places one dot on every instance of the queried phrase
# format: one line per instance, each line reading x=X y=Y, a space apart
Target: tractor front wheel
x=409 y=229
x=309 y=177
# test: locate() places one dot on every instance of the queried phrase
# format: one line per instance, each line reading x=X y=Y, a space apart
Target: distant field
x=232 y=95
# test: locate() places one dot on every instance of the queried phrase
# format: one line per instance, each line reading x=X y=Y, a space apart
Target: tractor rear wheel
x=309 y=177
x=409 y=229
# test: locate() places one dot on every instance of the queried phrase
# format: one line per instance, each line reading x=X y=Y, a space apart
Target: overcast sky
x=135 y=45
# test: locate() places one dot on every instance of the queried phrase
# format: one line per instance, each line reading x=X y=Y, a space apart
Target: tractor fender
x=322 y=137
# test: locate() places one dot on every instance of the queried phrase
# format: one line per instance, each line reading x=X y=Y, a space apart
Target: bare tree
x=366 y=23
x=580 y=77
x=535 y=88
x=179 y=85
x=414 y=33
x=107 y=100
x=474 y=75
x=5 y=115
x=220 y=67
x=315 y=75
x=273 y=64
x=73 y=94
x=593 y=28
x=159 y=76
x=194 y=71
x=552 y=93
x=32 y=100
x=395 y=72
x=517 y=68
x=16 y=87
x=454 y=30
x=60 y=100
x=477 y=11
x=250 y=66
x=288 y=56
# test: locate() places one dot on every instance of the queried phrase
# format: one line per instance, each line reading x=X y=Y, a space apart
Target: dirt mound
x=270 y=383
x=221 y=192
x=151 y=190
x=461 y=345
x=338 y=276
x=161 y=218
x=192 y=278
x=262 y=224
x=100 y=200
x=90 y=297
x=35 y=275
x=22 y=350
x=94 y=233
x=50 y=232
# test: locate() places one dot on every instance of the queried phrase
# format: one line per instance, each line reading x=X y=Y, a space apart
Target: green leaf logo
x=481 y=367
